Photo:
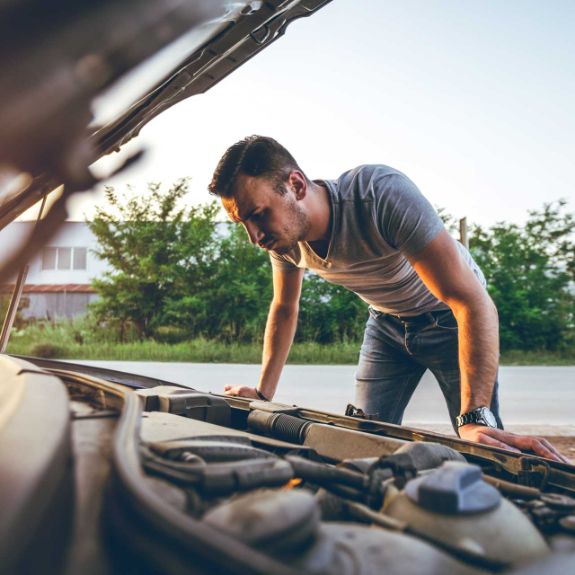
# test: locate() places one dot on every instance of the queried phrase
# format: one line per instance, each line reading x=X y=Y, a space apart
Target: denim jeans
x=394 y=356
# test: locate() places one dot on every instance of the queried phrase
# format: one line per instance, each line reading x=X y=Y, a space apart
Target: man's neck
x=319 y=212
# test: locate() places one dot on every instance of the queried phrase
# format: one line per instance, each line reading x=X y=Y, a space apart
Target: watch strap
x=261 y=395
x=477 y=416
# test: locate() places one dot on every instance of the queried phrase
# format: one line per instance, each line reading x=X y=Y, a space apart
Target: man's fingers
x=493 y=442
x=511 y=441
x=537 y=445
x=543 y=448
x=550 y=448
x=240 y=391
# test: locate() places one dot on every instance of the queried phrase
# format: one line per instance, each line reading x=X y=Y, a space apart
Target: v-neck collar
x=310 y=252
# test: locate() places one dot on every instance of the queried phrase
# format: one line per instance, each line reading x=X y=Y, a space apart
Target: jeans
x=394 y=355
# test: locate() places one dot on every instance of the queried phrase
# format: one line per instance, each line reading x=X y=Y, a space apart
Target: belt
x=428 y=317
x=419 y=319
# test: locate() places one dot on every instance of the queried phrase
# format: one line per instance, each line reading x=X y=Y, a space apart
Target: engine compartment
x=171 y=480
x=404 y=507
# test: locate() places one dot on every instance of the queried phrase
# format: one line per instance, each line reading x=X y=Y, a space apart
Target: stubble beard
x=295 y=230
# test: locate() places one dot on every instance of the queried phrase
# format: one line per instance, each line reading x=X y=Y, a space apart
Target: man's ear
x=298 y=184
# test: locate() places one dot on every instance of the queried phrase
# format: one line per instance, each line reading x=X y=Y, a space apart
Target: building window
x=79 y=258
x=49 y=258
x=64 y=258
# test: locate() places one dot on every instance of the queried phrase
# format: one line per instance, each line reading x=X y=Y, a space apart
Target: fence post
x=463 y=238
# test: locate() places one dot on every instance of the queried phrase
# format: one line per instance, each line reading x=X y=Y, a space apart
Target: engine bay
x=172 y=480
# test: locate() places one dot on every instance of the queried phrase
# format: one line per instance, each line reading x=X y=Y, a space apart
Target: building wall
x=67 y=260
x=70 y=235
x=56 y=305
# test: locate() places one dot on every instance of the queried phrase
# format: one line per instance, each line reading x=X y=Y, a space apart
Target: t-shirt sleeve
x=280 y=263
x=407 y=220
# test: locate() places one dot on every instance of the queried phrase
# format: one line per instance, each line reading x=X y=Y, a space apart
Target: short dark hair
x=252 y=156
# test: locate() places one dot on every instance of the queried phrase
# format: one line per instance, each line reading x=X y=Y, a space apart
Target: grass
x=519 y=357
x=80 y=340
x=196 y=351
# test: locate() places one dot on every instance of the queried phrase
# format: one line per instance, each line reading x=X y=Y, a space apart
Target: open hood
x=110 y=472
x=81 y=79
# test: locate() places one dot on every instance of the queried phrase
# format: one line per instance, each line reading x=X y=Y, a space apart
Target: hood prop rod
x=16 y=295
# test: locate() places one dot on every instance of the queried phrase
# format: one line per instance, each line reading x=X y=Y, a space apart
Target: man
x=374 y=233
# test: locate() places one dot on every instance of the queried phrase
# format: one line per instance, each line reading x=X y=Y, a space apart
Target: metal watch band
x=479 y=416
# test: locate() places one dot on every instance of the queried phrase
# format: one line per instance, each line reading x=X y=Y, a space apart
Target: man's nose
x=254 y=233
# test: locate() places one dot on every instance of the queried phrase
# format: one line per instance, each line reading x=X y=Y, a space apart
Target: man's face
x=273 y=221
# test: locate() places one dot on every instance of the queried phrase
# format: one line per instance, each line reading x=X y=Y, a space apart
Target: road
x=531 y=397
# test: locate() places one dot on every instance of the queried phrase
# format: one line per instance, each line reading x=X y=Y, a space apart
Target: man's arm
x=279 y=333
x=445 y=272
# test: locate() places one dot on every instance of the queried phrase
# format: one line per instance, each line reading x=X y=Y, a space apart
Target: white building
x=58 y=279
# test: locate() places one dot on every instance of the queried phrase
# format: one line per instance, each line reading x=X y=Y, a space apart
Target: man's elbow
x=284 y=310
x=475 y=304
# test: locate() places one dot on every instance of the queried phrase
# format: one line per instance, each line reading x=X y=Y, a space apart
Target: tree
x=176 y=268
x=159 y=252
x=242 y=288
x=530 y=272
x=329 y=313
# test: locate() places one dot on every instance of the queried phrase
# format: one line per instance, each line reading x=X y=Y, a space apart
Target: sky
x=473 y=99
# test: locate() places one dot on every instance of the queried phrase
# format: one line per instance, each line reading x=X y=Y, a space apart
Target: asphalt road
x=530 y=396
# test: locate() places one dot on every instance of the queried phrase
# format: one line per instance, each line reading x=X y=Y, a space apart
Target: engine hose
x=512 y=489
x=224 y=477
x=325 y=474
x=209 y=451
x=279 y=425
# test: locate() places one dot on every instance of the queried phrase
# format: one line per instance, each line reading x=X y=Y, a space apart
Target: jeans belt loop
x=421 y=319
x=432 y=319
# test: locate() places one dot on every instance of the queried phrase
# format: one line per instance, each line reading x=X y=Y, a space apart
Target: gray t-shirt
x=378 y=218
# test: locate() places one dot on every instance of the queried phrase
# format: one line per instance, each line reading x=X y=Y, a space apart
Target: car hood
x=81 y=79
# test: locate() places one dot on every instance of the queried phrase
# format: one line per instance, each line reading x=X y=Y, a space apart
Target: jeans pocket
x=374 y=313
x=445 y=320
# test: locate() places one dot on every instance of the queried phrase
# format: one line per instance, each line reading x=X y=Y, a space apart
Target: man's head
x=256 y=156
x=262 y=187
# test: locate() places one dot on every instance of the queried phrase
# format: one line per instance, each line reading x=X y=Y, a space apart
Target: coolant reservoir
x=454 y=505
x=286 y=526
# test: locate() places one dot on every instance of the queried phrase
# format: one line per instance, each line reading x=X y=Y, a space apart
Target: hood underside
x=81 y=79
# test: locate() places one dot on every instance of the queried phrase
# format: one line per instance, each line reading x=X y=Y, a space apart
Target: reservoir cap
x=454 y=488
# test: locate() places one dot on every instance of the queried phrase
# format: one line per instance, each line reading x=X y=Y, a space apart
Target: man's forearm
x=478 y=352
x=279 y=333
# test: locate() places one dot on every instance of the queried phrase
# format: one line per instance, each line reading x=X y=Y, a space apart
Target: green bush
x=48 y=351
x=170 y=334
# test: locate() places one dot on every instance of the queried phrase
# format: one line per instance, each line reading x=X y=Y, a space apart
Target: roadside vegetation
x=184 y=287
x=78 y=340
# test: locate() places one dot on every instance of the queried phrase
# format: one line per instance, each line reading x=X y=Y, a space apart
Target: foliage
x=178 y=276
x=60 y=339
x=329 y=313
x=159 y=253
x=244 y=288
x=230 y=306
x=530 y=271
x=19 y=320
x=48 y=351
x=450 y=222
x=176 y=273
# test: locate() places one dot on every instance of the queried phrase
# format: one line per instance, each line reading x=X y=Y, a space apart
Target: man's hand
x=511 y=441
x=241 y=391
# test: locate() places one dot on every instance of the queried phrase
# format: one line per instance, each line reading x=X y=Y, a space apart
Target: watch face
x=488 y=416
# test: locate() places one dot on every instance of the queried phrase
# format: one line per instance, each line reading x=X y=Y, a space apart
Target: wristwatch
x=261 y=395
x=478 y=416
